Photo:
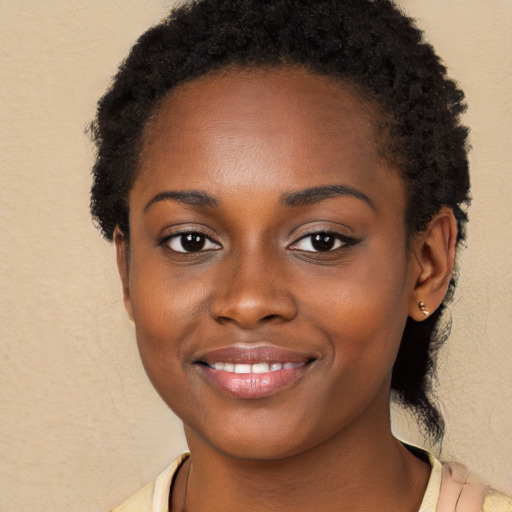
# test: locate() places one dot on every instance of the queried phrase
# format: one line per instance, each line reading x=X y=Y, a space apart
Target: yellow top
x=451 y=488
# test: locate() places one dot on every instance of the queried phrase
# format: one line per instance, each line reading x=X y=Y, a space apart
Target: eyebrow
x=192 y=197
x=298 y=198
x=316 y=194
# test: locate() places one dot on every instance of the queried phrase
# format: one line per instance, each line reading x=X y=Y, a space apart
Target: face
x=268 y=274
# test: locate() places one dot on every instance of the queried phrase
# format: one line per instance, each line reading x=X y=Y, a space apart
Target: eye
x=320 y=242
x=191 y=242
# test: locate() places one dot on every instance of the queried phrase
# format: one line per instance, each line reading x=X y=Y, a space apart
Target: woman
x=285 y=183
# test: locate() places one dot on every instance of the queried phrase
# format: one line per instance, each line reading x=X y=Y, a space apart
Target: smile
x=251 y=372
x=262 y=367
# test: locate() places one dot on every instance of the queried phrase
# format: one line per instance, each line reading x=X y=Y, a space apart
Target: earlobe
x=123 y=267
x=434 y=252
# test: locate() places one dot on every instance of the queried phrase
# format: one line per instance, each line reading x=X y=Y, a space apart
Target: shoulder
x=496 y=501
x=154 y=497
x=462 y=491
x=452 y=488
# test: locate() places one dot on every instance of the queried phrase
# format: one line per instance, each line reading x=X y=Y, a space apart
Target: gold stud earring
x=424 y=309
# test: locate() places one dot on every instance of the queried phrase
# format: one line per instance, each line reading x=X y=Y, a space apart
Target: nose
x=252 y=291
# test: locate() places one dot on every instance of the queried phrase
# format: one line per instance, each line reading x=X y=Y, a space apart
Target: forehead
x=241 y=127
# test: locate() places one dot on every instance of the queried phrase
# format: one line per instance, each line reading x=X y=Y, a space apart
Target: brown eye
x=323 y=241
x=191 y=242
x=319 y=242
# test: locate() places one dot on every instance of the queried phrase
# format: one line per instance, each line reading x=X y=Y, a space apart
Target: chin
x=270 y=438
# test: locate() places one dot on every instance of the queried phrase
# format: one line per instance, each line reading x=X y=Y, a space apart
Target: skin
x=250 y=139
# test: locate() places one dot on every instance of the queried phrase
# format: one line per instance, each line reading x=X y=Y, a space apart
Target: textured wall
x=81 y=427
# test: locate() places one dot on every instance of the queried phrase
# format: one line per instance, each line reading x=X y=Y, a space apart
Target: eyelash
x=340 y=242
x=337 y=240
x=179 y=238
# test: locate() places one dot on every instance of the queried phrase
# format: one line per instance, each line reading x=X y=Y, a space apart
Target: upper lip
x=241 y=353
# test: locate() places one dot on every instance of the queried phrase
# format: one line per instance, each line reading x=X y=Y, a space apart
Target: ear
x=123 y=266
x=434 y=256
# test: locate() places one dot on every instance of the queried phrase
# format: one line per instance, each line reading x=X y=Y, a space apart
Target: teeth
x=242 y=368
x=254 y=368
x=289 y=366
x=260 y=368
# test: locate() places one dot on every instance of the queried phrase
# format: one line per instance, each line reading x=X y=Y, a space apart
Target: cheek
x=363 y=324
x=164 y=297
x=364 y=312
x=165 y=311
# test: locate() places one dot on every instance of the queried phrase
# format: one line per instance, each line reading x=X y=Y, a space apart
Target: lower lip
x=253 y=385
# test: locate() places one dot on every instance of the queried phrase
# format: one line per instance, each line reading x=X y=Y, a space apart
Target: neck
x=344 y=474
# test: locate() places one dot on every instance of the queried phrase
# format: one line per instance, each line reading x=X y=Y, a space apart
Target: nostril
x=248 y=306
x=266 y=318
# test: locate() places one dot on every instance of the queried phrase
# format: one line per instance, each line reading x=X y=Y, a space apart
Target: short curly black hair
x=370 y=44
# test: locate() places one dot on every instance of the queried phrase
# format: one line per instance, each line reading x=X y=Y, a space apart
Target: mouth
x=262 y=367
x=251 y=372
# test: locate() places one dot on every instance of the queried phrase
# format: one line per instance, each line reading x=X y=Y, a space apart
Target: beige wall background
x=81 y=427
